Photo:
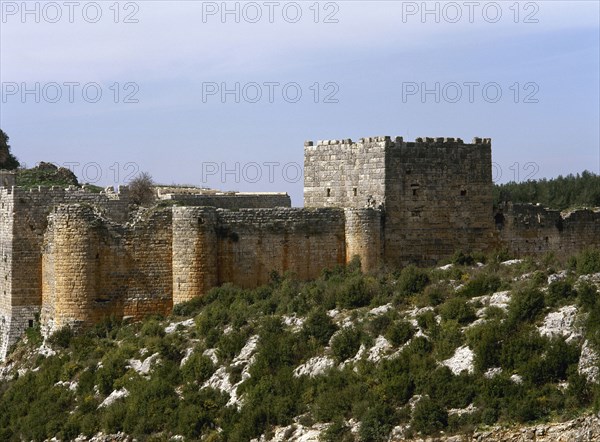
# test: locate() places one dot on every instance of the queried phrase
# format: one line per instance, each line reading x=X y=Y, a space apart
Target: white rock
x=212 y=354
x=511 y=262
x=517 y=379
x=380 y=347
x=460 y=411
x=115 y=395
x=357 y=357
x=173 y=326
x=492 y=372
x=333 y=313
x=247 y=351
x=220 y=380
x=314 y=366
x=72 y=386
x=592 y=278
x=462 y=360
x=500 y=299
x=561 y=323
x=44 y=350
x=380 y=310
x=186 y=357
x=446 y=267
x=293 y=321
x=557 y=277
x=298 y=433
x=144 y=367
x=588 y=363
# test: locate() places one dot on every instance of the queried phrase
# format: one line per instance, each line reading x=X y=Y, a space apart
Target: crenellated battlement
x=388 y=141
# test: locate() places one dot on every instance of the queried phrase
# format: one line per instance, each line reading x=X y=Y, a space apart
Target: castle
x=72 y=257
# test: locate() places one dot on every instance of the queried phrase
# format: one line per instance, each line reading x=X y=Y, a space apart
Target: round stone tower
x=70 y=268
x=195 y=250
x=363 y=237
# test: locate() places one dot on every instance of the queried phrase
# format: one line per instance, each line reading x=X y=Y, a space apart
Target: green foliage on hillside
x=7 y=160
x=581 y=190
x=60 y=395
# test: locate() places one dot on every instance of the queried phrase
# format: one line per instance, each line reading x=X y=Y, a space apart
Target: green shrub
x=412 y=280
x=426 y=321
x=486 y=342
x=519 y=346
x=429 y=416
x=459 y=310
x=153 y=328
x=434 y=295
x=346 y=343
x=338 y=431
x=588 y=296
x=396 y=384
x=447 y=339
x=399 y=333
x=378 y=325
x=376 y=424
x=525 y=305
x=586 y=262
x=198 y=368
x=483 y=283
x=552 y=365
x=460 y=258
x=319 y=326
x=62 y=337
x=229 y=345
x=354 y=292
x=560 y=292
x=189 y=308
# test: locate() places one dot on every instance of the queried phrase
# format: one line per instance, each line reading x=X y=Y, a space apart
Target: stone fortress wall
x=71 y=257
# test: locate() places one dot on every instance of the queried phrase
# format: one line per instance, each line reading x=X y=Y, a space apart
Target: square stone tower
x=435 y=193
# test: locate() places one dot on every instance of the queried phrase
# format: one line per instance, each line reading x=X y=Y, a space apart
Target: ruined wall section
x=364 y=237
x=527 y=229
x=232 y=200
x=438 y=199
x=93 y=268
x=341 y=173
x=30 y=209
x=149 y=252
x=255 y=242
x=195 y=250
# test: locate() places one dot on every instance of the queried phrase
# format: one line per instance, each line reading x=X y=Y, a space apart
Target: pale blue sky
x=374 y=52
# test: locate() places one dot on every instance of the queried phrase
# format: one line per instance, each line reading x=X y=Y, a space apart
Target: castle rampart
x=527 y=229
x=75 y=257
x=228 y=200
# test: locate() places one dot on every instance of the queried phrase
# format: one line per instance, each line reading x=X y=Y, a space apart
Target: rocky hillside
x=482 y=348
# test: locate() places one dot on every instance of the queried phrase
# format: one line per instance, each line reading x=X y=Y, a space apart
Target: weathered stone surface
x=74 y=257
x=530 y=230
